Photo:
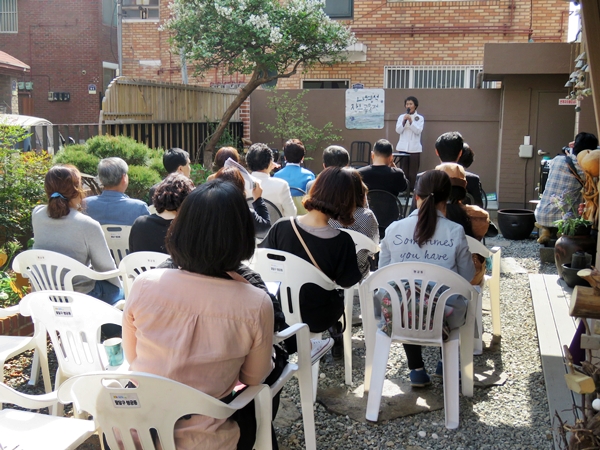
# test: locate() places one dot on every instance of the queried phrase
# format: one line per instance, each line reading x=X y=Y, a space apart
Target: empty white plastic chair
x=73 y=321
x=11 y=346
x=29 y=430
x=493 y=283
x=361 y=242
x=117 y=238
x=48 y=270
x=137 y=263
x=414 y=323
x=155 y=403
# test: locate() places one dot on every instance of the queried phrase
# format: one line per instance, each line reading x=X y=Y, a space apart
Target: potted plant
x=573 y=229
x=10 y=291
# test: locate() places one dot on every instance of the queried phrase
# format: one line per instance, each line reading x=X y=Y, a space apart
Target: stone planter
x=16 y=325
x=566 y=246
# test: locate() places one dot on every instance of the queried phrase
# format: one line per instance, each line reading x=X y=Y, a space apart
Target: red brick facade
x=65 y=43
x=395 y=33
x=16 y=325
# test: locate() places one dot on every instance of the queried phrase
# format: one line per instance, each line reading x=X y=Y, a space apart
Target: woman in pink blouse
x=202 y=324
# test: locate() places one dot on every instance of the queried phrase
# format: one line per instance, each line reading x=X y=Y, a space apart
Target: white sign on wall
x=365 y=109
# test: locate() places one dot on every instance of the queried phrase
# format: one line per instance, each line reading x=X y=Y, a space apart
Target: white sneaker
x=319 y=348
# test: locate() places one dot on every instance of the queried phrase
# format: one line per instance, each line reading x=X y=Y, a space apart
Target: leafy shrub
x=156 y=164
x=79 y=157
x=141 y=179
x=21 y=185
x=199 y=174
x=128 y=149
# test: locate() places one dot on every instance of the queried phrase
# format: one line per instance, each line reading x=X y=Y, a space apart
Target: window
x=325 y=84
x=339 y=9
x=109 y=72
x=140 y=9
x=109 y=13
x=9 y=19
x=434 y=77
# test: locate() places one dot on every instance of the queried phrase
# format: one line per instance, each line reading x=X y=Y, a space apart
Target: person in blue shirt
x=113 y=207
x=296 y=176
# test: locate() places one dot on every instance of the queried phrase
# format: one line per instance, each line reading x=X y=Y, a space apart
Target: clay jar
x=566 y=246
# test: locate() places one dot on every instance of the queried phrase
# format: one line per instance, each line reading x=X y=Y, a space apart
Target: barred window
x=9 y=19
x=140 y=9
x=434 y=77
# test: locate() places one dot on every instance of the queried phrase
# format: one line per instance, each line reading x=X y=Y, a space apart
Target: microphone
x=407 y=110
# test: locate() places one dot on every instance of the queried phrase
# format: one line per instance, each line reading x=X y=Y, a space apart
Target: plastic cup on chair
x=114 y=351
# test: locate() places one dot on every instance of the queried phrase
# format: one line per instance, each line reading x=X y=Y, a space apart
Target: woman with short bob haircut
x=148 y=232
x=331 y=197
x=60 y=227
x=202 y=324
x=222 y=155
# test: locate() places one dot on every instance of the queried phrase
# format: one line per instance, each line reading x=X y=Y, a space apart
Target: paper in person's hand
x=248 y=179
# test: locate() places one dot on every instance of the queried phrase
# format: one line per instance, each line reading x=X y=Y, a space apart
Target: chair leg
x=348 y=303
x=308 y=413
x=264 y=415
x=451 y=383
x=35 y=369
x=380 y=359
x=466 y=354
x=478 y=344
x=315 y=380
x=494 y=285
x=369 y=338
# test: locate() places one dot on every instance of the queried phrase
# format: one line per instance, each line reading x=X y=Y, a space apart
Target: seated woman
x=202 y=324
x=61 y=227
x=421 y=230
x=259 y=211
x=148 y=232
x=364 y=221
x=474 y=219
x=222 y=155
x=330 y=250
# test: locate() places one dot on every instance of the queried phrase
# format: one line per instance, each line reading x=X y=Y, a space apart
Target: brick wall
x=395 y=33
x=64 y=43
x=16 y=325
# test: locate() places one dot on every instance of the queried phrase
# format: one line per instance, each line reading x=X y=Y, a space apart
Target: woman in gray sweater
x=60 y=227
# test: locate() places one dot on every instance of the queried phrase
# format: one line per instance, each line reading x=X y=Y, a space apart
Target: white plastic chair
x=155 y=403
x=117 y=238
x=137 y=263
x=361 y=242
x=378 y=343
x=48 y=270
x=73 y=321
x=293 y=273
x=302 y=370
x=29 y=430
x=493 y=283
x=14 y=345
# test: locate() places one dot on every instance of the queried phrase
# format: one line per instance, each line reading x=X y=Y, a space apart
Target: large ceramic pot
x=567 y=245
x=516 y=224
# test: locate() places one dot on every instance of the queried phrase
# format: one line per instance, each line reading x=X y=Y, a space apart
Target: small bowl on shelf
x=571 y=278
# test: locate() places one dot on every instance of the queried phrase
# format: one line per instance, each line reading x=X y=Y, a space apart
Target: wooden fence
x=189 y=136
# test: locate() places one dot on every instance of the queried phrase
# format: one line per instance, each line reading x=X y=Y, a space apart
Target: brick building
x=10 y=71
x=70 y=46
x=401 y=44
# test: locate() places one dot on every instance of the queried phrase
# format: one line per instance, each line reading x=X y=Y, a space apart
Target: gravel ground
x=512 y=416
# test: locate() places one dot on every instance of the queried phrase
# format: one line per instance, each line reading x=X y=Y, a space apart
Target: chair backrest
x=149 y=402
x=48 y=270
x=117 y=238
x=292 y=272
x=416 y=287
x=274 y=214
x=361 y=241
x=386 y=207
x=137 y=263
x=477 y=247
x=73 y=321
x=360 y=153
x=297 y=192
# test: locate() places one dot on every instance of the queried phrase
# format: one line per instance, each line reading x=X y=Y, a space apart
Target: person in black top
x=175 y=160
x=148 y=232
x=331 y=197
x=382 y=174
x=259 y=211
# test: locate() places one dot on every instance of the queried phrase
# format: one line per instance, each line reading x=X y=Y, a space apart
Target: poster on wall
x=365 y=109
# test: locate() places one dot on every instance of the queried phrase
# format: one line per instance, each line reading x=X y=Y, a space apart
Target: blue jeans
x=107 y=292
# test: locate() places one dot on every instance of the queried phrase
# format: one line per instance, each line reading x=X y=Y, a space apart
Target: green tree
x=292 y=121
x=267 y=39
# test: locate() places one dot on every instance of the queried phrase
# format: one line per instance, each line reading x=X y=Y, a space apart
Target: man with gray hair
x=113 y=207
